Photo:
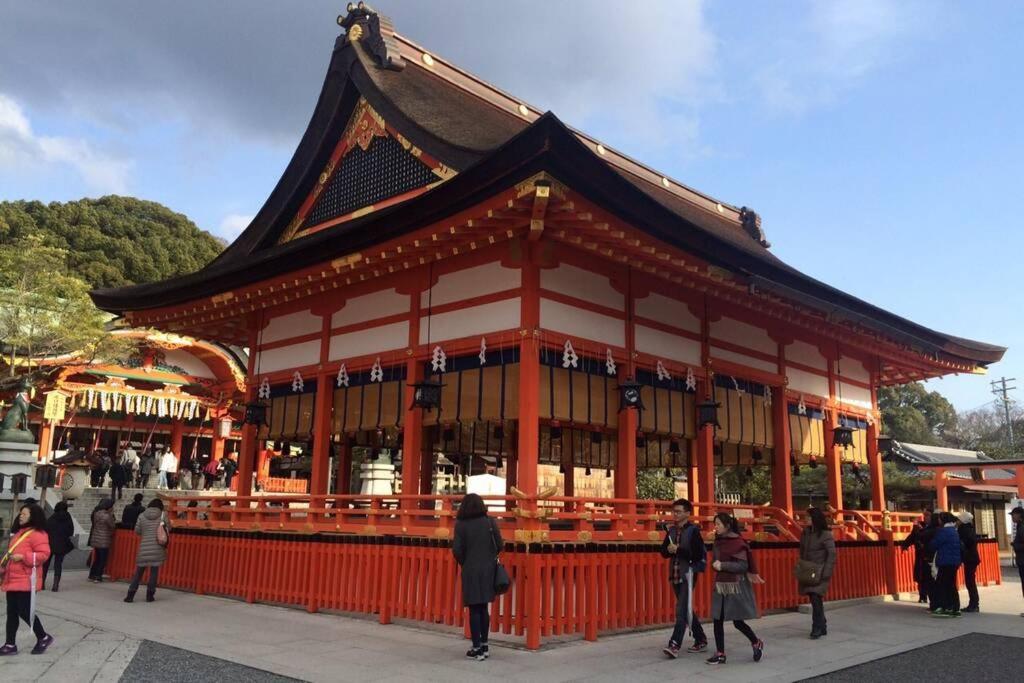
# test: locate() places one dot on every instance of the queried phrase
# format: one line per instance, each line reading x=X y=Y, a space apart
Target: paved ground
x=974 y=657
x=100 y=638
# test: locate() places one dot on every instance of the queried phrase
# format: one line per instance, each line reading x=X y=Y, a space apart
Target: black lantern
x=426 y=395
x=561 y=468
x=629 y=394
x=255 y=414
x=608 y=473
x=707 y=413
x=668 y=472
x=749 y=472
x=842 y=436
x=596 y=437
x=812 y=462
x=498 y=463
x=556 y=432
x=448 y=435
x=45 y=476
x=641 y=441
x=673 y=447
x=19 y=483
x=756 y=455
x=587 y=472
x=885 y=445
x=499 y=432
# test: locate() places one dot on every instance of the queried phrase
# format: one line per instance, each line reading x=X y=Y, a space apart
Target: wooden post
x=941 y=491
x=250 y=433
x=528 y=442
x=692 y=474
x=875 y=468
x=46 y=429
x=1019 y=472
x=782 y=479
x=342 y=468
x=706 y=466
x=625 y=464
x=177 y=436
x=833 y=463
x=324 y=404
x=412 y=434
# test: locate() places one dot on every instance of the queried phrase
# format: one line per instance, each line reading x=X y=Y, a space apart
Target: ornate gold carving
x=363 y=211
x=292 y=228
x=349 y=260
x=442 y=533
x=531 y=536
x=369 y=530
x=529 y=186
x=443 y=172
x=653 y=536
x=364 y=125
x=584 y=537
x=354 y=33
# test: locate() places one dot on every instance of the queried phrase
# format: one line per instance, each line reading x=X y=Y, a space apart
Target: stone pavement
x=98 y=636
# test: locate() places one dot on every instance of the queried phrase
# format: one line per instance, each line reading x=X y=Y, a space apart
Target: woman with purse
x=814 y=568
x=733 y=597
x=152 y=553
x=476 y=547
x=101 y=537
x=60 y=528
x=21 y=568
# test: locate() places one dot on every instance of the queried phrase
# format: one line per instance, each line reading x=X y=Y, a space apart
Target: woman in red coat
x=25 y=555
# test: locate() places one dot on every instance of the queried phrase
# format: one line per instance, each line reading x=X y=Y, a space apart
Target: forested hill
x=113 y=241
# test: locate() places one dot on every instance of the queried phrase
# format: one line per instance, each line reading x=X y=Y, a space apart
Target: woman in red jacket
x=25 y=555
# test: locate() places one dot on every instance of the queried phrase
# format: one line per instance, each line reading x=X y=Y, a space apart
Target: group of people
x=199 y=472
x=942 y=542
x=37 y=542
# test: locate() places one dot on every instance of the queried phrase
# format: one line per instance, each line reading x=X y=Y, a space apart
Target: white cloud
x=232 y=225
x=840 y=42
x=21 y=148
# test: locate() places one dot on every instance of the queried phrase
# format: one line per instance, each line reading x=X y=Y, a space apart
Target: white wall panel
x=807 y=383
x=744 y=359
x=668 y=346
x=468 y=322
x=369 y=341
x=475 y=281
x=743 y=334
x=291 y=325
x=189 y=363
x=852 y=368
x=371 y=307
x=582 y=284
x=854 y=395
x=286 y=357
x=582 y=323
x=806 y=354
x=668 y=311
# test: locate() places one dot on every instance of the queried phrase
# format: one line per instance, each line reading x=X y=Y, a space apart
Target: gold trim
x=442 y=533
x=584 y=537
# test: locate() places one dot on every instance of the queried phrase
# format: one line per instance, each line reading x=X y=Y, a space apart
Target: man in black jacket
x=922 y=569
x=131 y=512
x=684 y=547
x=971 y=558
x=1017 y=515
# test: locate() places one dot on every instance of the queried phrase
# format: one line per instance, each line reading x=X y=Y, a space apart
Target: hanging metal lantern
x=426 y=395
x=561 y=468
x=749 y=472
x=707 y=413
x=629 y=394
x=641 y=441
x=757 y=455
x=596 y=437
x=499 y=432
x=668 y=472
x=673 y=447
x=255 y=413
x=886 y=445
x=448 y=435
x=608 y=473
x=812 y=462
x=556 y=431
x=587 y=471
x=842 y=436
x=498 y=462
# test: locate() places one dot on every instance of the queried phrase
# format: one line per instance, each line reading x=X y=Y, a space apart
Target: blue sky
x=880 y=141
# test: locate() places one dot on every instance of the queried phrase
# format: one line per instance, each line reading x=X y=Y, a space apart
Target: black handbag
x=502 y=580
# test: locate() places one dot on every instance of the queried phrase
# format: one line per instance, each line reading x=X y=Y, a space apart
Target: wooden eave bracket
x=541 y=195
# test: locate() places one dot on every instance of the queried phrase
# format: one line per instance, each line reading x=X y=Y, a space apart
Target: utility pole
x=1001 y=392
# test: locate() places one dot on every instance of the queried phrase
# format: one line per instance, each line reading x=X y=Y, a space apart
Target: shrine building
x=447 y=280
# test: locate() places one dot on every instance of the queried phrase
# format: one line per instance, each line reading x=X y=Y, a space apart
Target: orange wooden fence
x=559 y=589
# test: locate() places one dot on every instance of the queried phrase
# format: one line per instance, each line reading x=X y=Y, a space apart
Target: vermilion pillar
x=177 y=435
x=941 y=490
x=412 y=434
x=706 y=465
x=323 y=405
x=625 y=465
x=528 y=443
x=875 y=468
x=247 y=454
x=342 y=468
x=692 y=475
x=782 y=479
x=833 y=463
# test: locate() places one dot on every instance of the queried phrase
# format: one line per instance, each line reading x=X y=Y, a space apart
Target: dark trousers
x=58 y=567
x=479 y=624
x=970 y=580
x=18 y=603
x=946 y=595
x=682 y=614
x=1020 y=571
x=99 y=563
x=116 y=491
x=154 y=572
x=740 y=625
x=818 y=622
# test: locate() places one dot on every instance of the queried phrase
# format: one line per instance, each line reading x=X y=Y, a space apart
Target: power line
x=1001 y=392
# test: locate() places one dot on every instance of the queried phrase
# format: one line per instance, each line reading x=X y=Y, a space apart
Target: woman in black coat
x=60 y=528
x=971 y=558
x=476 y=547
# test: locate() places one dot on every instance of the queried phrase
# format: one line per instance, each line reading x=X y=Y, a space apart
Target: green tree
x=113 y=241
x=44 y=310
x=912 y=414
x=753 y=490
x=652 y=484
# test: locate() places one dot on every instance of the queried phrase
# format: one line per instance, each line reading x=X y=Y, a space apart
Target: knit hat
x=965 y=517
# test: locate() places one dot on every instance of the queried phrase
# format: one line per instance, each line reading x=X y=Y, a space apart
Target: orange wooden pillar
x=1019 y=472
x=412 y=434
x=324 y=403
x=248 y=449
x=705 y=445
x=528 y=442
x=941 y=489
x=625 y=465
x=782 y=479
x=342 y=467
x=692 y=475
x=875 y=468
x=46 y=429
x=833 y=464
x=177 y=436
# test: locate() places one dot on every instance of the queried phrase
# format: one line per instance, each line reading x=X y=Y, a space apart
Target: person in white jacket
x=168 y=465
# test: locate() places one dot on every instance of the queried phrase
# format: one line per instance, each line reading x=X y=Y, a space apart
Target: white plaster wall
x=475 y=281
x=806 y=354
x=468 y=322
x=853 y=369
x=371 y=307
x=291 y=325
x=189 y=363
x=807 y=383
x=743 y=334
x=293 y=356
x=744 y=359
x=582 y=284
x=582 y=323
x=854 y=395
x=369 y=341
x=668 y=311
x=669 y=346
